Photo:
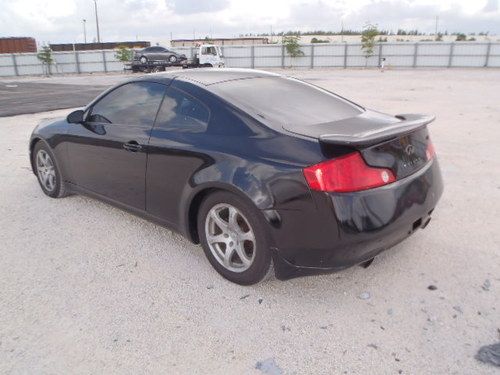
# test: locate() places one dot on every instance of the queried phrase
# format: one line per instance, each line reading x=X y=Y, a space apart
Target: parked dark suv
x=158 y=53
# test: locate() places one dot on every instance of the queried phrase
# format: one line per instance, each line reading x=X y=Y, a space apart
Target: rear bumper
x=346 y=229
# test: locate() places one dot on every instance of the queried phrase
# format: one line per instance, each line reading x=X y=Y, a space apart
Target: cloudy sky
x=61 y=20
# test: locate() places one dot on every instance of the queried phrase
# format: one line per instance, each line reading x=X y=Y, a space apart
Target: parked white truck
x=207 y=55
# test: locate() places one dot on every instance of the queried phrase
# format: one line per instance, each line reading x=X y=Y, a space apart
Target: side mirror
x=75 y=117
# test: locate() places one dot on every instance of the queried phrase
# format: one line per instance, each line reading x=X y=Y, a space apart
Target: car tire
x=172 y=59
x=143 y=60
x=246 y=236
x=48 y=172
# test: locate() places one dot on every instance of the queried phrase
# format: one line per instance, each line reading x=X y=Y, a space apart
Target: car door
x=175 y=152
x=158 y=54
x=163 y=54
x=108 y=152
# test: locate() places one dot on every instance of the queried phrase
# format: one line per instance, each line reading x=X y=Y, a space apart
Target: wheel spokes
x=46 y=170
x=220 y=222
x=218 y=238
x=230 y=237
x=245 y=260
x=228 y=254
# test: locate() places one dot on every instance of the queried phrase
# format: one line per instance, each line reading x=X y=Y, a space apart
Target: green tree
x=368 y=41
x=461 y=37
x=292 y=46
x=124 y=54
x=45 y=56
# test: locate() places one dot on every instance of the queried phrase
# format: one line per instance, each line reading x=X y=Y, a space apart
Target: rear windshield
x=281 y=101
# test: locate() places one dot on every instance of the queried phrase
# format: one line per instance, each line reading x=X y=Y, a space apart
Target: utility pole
x=97 y=22
x=271 y=34
x=342 y=30
x=436 y=31
x=85 y=30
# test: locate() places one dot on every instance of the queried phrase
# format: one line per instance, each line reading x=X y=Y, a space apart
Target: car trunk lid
x=399 y=143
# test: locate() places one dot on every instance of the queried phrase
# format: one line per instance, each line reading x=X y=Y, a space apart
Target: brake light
x=346 y=173
x=430 y=152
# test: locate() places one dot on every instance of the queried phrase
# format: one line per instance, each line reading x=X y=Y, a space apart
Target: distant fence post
x=487 y=59
x=380 y=53
x=450 y=59
x=14 y=63
x=252 y=56
x=312 y=56
x=415 y=55
x=282 y=56
x=345 y=55
x=104 y=61
x=77 y=63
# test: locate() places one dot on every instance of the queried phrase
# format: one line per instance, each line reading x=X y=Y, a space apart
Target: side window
x=208 y=51
x=134 y=103
x=181 y=112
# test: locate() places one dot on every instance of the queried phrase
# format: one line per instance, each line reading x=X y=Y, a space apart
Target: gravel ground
x=87 y=288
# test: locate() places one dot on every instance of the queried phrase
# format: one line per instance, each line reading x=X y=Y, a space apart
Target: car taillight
x=346 y=173
x=430 y=152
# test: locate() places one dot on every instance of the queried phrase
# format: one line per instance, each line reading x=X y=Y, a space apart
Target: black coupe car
x=266 y=172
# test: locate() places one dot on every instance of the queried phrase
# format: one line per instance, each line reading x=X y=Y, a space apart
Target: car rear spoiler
x=370 y=135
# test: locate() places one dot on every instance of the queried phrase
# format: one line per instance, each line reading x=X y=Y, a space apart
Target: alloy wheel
x=46 y=170
x=230 y=237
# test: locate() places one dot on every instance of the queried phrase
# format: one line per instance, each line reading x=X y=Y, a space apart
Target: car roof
x=207 y=76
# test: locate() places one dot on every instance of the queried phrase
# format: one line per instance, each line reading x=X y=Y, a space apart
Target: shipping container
x=17 y=45
x=96 y=46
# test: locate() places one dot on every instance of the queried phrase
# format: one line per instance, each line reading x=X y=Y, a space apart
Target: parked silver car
x=158 y=53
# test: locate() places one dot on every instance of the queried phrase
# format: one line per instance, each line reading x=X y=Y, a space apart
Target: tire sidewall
x=41 y=145
x=262 y=261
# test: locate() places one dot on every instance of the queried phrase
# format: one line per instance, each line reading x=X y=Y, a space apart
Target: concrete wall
x=404 y=55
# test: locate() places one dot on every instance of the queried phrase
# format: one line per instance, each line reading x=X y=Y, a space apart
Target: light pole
x=342 y=30
x=97 y=22
x=85 y=30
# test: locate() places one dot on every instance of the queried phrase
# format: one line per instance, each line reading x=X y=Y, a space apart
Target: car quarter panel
x=359 y=225
x=236 y=153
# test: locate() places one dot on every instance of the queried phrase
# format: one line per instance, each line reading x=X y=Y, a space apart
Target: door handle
x=132 y=146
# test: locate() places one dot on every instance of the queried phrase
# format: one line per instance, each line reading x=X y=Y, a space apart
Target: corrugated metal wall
x=398 y=55
x=17 y=45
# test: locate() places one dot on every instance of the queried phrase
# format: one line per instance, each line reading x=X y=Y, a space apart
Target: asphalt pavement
x=21 y=97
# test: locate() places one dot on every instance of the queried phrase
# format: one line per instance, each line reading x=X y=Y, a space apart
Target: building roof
x=237 y=38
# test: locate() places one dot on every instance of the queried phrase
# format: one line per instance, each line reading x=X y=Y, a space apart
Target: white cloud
x=61 y=20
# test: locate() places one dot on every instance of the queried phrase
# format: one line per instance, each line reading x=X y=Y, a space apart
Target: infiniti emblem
x=409 y=149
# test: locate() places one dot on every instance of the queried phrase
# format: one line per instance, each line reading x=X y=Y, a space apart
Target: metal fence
x=341 y=55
